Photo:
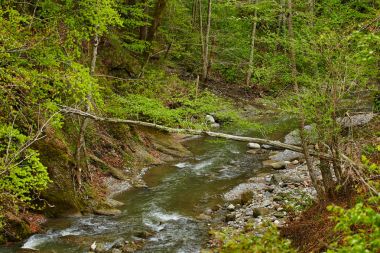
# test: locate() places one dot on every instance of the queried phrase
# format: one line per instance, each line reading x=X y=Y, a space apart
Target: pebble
x=231 y=207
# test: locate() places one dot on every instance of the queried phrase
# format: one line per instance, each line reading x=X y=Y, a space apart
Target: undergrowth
x=172 y=102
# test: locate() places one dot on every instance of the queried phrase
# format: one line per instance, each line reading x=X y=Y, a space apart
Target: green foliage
x=190 y=113
x=359 y=226
x=230 y=241
x=22 y=175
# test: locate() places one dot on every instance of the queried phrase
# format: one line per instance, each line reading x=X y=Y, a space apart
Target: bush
x=230 y=241
x=22 y=175
x=359 y=226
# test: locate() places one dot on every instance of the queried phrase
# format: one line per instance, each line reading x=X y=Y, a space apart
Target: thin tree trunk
x=281 y=17
x=251 y=55
x=94 y=55
x=195 y=12
x=81 y=145
x=201 y=29
x=309 y=162
x=157 y=16
x=206 y=44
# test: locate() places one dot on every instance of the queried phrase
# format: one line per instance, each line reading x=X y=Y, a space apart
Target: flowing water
x=177 y=193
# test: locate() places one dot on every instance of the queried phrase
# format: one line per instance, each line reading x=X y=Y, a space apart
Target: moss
x=60 y=194
x=16 y=230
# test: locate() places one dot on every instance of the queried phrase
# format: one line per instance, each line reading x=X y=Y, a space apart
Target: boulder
x=356 y=120
x=254 y=145
x=286 y=155
x=215 y=125
x=210 y=119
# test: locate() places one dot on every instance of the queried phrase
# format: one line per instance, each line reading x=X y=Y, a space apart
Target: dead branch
x=276 y=144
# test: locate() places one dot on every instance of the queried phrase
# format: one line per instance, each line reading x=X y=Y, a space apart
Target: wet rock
x=107 y=212
x=114 y=203
x=230 y=217
x=203 y=216
x=144 y=234
x=210 y=119
x=253 y=145
x=230 y=207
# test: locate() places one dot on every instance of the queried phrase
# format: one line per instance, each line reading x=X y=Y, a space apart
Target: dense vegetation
x=163 y=61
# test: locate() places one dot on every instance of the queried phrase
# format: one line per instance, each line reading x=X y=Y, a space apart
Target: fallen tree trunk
x=276 y=144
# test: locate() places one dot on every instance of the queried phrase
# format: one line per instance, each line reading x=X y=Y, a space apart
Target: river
x=177 y=193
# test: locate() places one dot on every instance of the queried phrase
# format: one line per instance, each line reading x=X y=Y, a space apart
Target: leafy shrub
x=237 y=241
x=359 y=226
x=22 y=175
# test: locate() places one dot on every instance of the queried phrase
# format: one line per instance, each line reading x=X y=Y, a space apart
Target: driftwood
x=276 y=144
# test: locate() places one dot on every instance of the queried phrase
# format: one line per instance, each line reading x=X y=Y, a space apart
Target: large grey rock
x=356 y=120
x=287 y=155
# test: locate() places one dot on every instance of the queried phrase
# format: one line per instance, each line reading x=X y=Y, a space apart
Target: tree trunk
x=251 y=55
x=309 y=162
x=201 y=28
x=281 y=17
x=157 y=16
x=206 y=43
x=81 y=145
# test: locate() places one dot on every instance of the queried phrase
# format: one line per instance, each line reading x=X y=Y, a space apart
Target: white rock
x=93 y=246
x=253 y=145
x=210 y=119
x=231 y=207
